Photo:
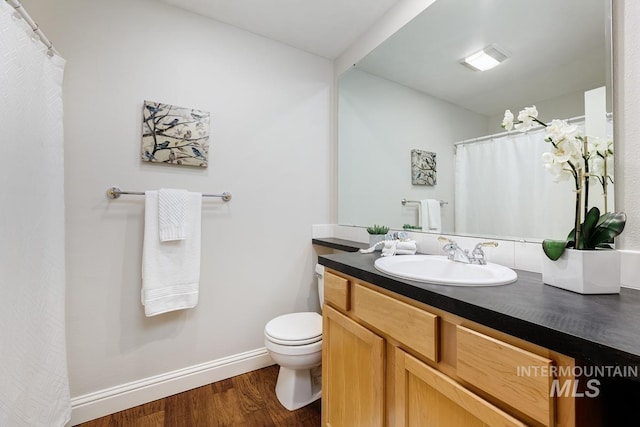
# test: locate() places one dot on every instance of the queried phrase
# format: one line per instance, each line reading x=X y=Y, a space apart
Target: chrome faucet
x=457 y=254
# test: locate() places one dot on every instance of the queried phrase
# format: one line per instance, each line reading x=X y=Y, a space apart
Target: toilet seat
x=293 y=350
x=295 y=329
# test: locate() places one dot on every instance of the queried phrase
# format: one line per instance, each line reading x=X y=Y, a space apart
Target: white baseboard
x=104 y=402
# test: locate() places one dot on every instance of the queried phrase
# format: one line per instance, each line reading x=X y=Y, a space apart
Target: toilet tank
x=320 y=277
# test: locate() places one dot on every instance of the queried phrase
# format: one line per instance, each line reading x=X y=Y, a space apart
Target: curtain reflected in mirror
x=502 y=188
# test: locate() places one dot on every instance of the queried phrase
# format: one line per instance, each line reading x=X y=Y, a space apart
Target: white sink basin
x=440 y=271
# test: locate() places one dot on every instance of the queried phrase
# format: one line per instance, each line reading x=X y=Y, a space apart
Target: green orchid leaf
x=588 y=227
x=609 y=226
x=554 y=249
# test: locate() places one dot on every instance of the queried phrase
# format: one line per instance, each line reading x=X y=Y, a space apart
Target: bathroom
x=273 y=145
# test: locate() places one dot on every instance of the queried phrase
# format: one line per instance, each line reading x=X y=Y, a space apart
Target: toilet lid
x=295 y=329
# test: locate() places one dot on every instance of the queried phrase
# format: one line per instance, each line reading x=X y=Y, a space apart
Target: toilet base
x=296 y=388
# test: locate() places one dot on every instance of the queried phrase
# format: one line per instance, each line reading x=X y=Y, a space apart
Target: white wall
x=562 y=107
x=382 y=122
x=270 y=147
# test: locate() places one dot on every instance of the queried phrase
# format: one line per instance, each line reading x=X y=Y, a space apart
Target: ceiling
x=556 y=48
x=322 y=27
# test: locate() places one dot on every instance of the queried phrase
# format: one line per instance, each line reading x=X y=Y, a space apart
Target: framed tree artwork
x=423 y=167
x=175 y=135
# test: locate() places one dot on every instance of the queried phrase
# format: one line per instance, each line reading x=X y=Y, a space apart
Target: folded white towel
x=409 y=245
x=389 y=248
x=405 y=252
x=170 y=270
x=171 y=214
x=430 y=215
x=399 y=247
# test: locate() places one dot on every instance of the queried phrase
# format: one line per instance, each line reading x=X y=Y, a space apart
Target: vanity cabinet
x=388 y=360
x=425 y=396
x=352 y=373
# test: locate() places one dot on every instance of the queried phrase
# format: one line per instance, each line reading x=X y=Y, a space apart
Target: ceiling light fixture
x=485 y=59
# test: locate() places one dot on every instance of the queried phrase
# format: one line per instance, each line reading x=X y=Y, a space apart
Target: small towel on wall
x=170 y=270
x=172 y=205
x=430 y=214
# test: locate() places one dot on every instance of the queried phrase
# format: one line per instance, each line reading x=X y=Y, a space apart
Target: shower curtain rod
x=513 y=132
x=19 y=8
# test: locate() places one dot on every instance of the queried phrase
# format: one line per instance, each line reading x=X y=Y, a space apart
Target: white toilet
x=294 y=342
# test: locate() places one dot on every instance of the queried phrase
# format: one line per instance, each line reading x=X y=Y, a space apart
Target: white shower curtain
x=503 y=190
x=34 y=389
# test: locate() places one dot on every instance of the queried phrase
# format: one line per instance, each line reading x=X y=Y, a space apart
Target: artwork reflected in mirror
x=413 y=88
x=423 y=167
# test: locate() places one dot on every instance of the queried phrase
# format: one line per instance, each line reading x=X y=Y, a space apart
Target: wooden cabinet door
x=352 y=373
x=426 y=397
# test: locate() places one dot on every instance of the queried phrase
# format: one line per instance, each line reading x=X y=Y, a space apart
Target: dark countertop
x=602 y=330
x=340 y=244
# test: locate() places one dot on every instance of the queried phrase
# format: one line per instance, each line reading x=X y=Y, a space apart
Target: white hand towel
x=407 y=245
x=389 y=248
x=430 y=214
x=399 y=247
x=171 y=214
x=170 y=270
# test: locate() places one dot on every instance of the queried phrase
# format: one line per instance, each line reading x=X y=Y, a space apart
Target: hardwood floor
x=246 y=400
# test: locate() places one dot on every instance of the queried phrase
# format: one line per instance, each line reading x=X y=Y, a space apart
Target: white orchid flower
x=603 y=147
x=560 y=130
x=556 y=168
x=526 y=118
x=507 y=122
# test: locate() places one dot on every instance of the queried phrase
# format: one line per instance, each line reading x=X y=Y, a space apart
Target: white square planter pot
x=584 y=272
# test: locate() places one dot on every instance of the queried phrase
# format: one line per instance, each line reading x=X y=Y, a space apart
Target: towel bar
x=115 y=192
x=405 y=201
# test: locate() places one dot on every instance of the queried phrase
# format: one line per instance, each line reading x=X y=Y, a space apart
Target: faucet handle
x=477 y=255
x=486 y=244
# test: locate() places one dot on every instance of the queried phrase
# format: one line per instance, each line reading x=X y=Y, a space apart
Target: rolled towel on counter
x=409 y=245
x=404 y=252
x=372 y=248
x=399 y=247
x=389 y=248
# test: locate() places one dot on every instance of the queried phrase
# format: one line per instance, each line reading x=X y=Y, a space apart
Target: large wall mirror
x=411 y=98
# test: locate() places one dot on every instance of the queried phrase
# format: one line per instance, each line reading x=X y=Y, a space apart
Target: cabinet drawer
x=496 y=367
x=424 y=396
x=336 y=291
x=409 y=325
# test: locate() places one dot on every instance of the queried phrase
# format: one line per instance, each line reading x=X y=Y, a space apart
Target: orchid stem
x=538 y=121
x=605 y=183
x=585 y=156
x=577 y=233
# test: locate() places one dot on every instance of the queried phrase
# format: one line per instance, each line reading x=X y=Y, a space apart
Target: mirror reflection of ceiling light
x=485 y=59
